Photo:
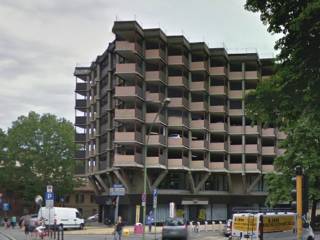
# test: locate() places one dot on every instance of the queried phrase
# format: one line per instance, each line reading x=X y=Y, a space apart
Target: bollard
x=198 y=226
x=206 y=226
x=62 y=235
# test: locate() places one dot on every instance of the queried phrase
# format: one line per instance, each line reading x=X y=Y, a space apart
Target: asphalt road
x=18 y=234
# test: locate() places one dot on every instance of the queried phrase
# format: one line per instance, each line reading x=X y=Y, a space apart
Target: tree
x=40 y=152
x=291 y=99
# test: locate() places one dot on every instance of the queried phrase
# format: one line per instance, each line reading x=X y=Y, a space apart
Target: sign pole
x=299 y=206
x=116 y=210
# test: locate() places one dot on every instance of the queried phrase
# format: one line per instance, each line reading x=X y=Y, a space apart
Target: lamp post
x=163 y=105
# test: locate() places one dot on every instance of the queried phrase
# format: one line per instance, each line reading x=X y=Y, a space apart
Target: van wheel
x=310 y=238
x=81 y=226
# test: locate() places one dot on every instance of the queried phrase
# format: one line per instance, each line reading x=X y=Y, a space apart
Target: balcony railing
x=156 y=140
x=218 y=147
x=236 y=149
x=81 y=87
x=128 y=46
x=80 y=137
x=134 y=160
x=81 y=104
x=251 y=130
x=217 y=109
x=199 y=144
x=217 y=90
x=178 y=102
x=199 y=124
x=235 y=167
x=235 y=94
x=155 y=76
x=178 y=142
x=178 y=60
x=155 y=54
x=127 y=69
x=251 y=148
x=128 y=91
x=160 y=119
x=234 y=130
x=199 y=86
x=199 y=164
x=154 y=97
x=218 y=71
x=199 y=106
x=267 y=168
x=199 y=66
x=80 y=154
x=281 y=135
x=251 y=167
x=267 y=132
x=128 y=137
x=218 y=127
x=156 y=161
x=174 y=121
x=251 y=75
x=80 y=121
x=178 y=81
x=217 y=166
x=178 y=163
x=268 y=151
x=235 y=112
x=130 y=114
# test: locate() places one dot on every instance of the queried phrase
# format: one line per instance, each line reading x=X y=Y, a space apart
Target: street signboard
x=6 y=207
x=117 y=186
x=117 y=191
x=155 y=198
x=49 y=197
x=143 y=199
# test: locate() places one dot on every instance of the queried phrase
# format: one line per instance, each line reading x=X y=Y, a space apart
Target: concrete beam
x=244 y=183
x=254 y=183
x=102 y=183
x=122 y=180
x=203 y=180
x=191 y=182
x=159 y=179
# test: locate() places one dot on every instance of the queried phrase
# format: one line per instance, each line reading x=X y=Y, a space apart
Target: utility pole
x=297 y=195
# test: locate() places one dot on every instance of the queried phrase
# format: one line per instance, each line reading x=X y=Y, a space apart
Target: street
x=18 y=234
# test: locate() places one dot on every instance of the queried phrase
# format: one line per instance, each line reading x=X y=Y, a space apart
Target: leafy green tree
x=291 y=99
x=40 y=152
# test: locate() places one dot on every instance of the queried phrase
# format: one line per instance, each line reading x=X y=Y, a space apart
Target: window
x=92 y=198
x=80 y=198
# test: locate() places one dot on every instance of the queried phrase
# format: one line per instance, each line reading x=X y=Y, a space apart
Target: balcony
x=155 y=55
x=251 y=130
x=235 y=94
x=268 y=132
x=281 y=135
x=199 y=165
x=81 y=104
x=160 y=119
x=127 y=137
x=154 y=97
x=178 y=163
x=218 y=127
x=178 y=60
x=81 y=88
x=235 y=76
x=174 y=121
x=199 y=145
x=217 y=166
x=218 y=71
x=80 y=154
x=179 y=102
x=134 y=160
x=268 y=151
x=156 y=162
x=155 y=76
x=80 y=168
x=267 y=168
x=251 y=148
x=251 y=167
x=128 y=70
x=157 y=139
x=198 y=106
x=218 y=109
x=128 y=114
x=236 y=149
x=178 y=81
x=235 y=167
x=251 y=75
x=80 y=137
x=217 y=90
x=200 y=86
x=235 y=130
x=281 y=151
x=128 y=92
x=178 y=142
x=199 y=124
x=128 y=47
x=92 y=153
x=81 y=121
x=235 y=112
x=218 y=147
x=199 y=66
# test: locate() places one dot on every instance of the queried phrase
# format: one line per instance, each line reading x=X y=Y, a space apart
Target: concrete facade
x=203 y=153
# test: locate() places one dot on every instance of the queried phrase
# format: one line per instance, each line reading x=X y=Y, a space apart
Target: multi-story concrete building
x=203 y=153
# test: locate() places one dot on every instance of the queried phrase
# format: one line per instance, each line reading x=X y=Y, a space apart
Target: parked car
x=93 y=218
x=175 y=228
x=227 y=228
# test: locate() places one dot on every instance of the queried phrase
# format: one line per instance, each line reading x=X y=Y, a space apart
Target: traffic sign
x=143 y=198
x=117 y=191
x=6 y=207
x=117 y=186
x=49 y=188
x=49 y=196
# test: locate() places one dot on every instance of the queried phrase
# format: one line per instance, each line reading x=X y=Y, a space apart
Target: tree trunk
x=313 y=212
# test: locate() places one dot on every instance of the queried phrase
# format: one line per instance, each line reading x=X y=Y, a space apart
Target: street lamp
x=165 y=102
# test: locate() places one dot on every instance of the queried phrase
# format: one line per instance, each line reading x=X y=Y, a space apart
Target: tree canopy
x=291 y=98
x=39 y=151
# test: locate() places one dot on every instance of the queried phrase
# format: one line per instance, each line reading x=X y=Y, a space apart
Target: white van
x=68 y=217
x=275 y=226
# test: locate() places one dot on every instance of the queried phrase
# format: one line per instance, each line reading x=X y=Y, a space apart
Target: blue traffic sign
x=117 y=186
x=5 y=207
x=49 y=196
x=155 y=193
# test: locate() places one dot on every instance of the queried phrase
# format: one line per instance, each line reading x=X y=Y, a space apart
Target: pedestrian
x=118 y=229
x=6 y=222
x=27 y=226
x=13 y=221
x=150 y=220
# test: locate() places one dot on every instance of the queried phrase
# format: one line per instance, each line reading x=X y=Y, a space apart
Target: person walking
x=150 y=220
x=118 y=229
x=13 y=221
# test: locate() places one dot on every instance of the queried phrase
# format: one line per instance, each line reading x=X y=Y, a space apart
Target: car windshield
x=175 y=222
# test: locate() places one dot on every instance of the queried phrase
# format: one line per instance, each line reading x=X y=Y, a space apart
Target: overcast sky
x=41 y=41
